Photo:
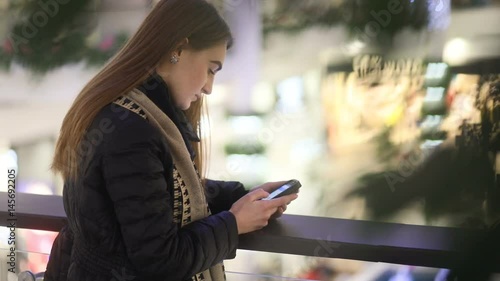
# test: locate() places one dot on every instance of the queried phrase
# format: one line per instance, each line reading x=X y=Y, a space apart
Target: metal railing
x=429 y=246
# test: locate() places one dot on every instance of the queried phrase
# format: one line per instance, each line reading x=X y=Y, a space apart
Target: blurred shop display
x=319 y=270
x=42 y=36
x=453 y=167
x=425 y=152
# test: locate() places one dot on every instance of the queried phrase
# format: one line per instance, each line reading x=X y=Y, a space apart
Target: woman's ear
x=184 y=44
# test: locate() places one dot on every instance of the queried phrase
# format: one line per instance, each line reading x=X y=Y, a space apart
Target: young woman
x=128 y=151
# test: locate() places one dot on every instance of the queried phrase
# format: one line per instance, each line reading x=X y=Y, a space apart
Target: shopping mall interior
x=385 y=110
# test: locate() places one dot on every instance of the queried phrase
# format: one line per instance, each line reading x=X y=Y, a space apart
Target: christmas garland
x=46 y=36
x=374 y=22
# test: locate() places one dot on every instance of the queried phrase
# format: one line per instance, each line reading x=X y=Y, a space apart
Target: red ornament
x=313 y=274
x=26 y=50
x=449 y=98
x=107 y=43
x=7 y=46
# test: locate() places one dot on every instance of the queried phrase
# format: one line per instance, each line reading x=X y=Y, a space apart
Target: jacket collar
x=155 y=88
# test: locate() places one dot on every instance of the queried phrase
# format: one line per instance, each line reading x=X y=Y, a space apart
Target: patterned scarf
x=187 y=180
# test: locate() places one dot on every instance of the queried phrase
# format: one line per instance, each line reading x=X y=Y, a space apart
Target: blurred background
x=385 y=110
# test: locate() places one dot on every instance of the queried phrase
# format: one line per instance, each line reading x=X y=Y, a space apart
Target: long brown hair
x=164 y=28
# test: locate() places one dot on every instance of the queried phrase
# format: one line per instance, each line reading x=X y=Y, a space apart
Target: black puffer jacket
x=120 y=211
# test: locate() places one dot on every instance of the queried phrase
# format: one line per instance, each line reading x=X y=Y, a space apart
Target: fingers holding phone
x=284 y=201
x=249 y=214
x=289 y=187
x=253 y=211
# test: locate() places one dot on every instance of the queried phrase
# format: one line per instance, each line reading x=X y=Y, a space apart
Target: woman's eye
x=211 y=72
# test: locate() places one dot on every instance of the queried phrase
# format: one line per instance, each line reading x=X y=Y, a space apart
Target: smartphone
x=291 y=186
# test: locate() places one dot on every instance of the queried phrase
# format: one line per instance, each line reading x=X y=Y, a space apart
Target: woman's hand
x=270 y=187
x=252 y=213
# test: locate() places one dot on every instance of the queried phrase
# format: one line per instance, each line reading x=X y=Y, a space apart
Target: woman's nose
x=207 y=89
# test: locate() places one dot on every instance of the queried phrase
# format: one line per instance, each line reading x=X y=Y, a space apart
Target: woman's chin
x=185 y=106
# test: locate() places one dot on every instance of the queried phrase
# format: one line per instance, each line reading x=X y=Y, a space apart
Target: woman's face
x=193 y=75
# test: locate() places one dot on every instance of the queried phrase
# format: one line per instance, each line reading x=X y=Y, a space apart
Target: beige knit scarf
x=184 y=165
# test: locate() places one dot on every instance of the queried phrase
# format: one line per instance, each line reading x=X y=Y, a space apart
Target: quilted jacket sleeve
x=59 y=258
x=222 y=194
x=135 y=181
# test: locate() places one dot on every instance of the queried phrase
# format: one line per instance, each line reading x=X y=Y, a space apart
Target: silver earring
x=174 y=59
